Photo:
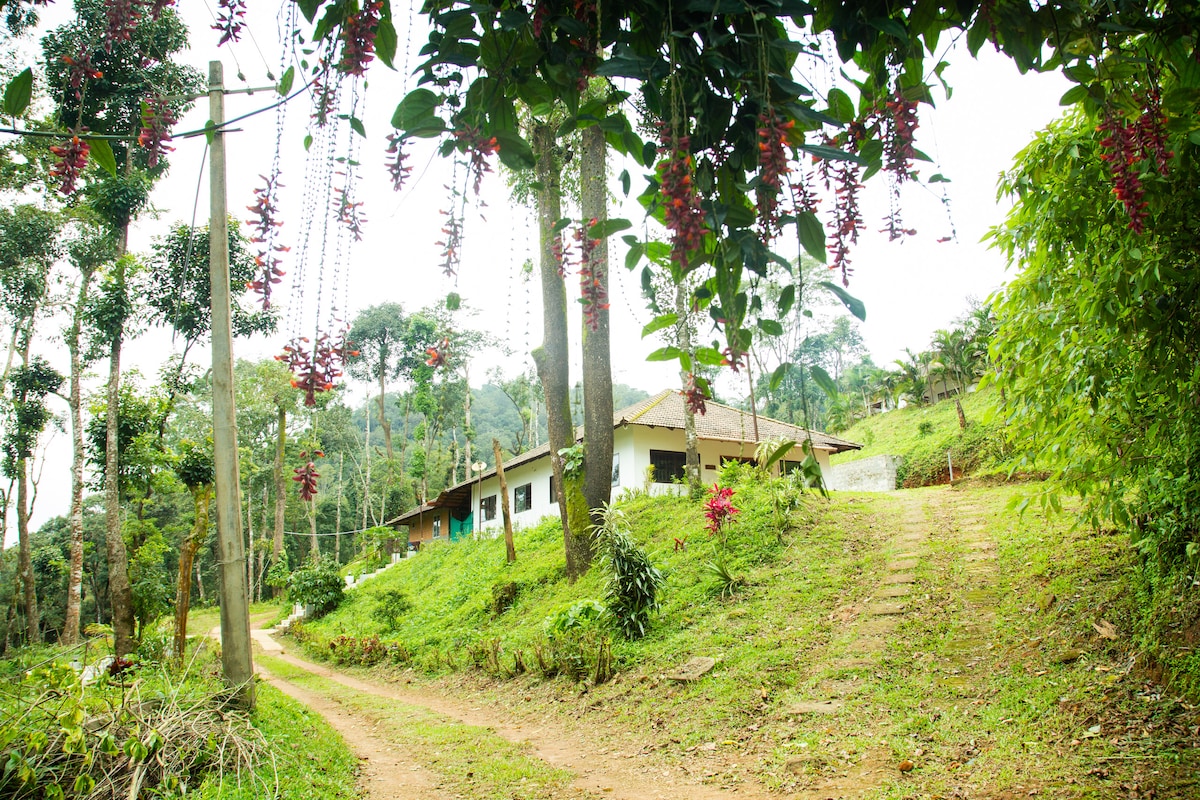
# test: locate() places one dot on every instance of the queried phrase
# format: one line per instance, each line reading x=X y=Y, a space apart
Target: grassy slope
x=899 y=433
x=1021 y=716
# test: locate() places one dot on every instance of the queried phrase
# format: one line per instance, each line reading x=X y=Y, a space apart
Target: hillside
x=922 y=436
x=916 y=644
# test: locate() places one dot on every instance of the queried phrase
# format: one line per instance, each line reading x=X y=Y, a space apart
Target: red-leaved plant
x=719 y=510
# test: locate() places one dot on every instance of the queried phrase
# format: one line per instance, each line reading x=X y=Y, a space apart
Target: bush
x=317 y=585
x=390 y=605
x=503 y=596
x=633 y=582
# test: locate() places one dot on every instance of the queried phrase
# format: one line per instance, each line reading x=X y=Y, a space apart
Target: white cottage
x=647 y=434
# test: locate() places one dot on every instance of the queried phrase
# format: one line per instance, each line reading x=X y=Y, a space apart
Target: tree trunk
x=510 y=549
x=683 y=340
x=120 y=592
x=280 y=491
x=70 y=634
x=962 y=417
x=201 y=495
x=33 y=628
x=467 y=432
x=314 y=550
x=551 y=358
x=597 y=360
x=383 y=420
x=337 y=520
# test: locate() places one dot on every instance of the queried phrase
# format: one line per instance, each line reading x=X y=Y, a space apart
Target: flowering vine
x=350 y=213
x=157 y=119
x=694 y=395
x=123 y=16
x=72 y=158
x=1125 y=145
x=397 y=171
x=480 y=148
x=81 y=70
x=847 y=219
x=684 y=217
x=900 y=126
x=307 y=475
x=230 y=20
x=265 y=226
x=438 y=354
x=591 y=277
x=316 y=369
x=358 y=38
x=451 y=244
x=773 y=167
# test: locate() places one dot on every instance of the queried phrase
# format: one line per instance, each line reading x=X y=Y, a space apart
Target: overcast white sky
x=910 y=288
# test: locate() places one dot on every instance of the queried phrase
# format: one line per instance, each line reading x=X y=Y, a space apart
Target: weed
x=633 y=584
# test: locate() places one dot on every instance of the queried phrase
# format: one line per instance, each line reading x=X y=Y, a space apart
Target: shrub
x=633 y=582
x=317 y=584
x=390 y=605
x=503 y=596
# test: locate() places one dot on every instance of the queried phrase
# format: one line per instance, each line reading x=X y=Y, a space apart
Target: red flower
x=591 y=277
x=358 y=38
x=772 y=167
x=395 y=161
x=451 y=244
x=694 y=395
x=72 y=158
x=316 y=370
x=229 y=24
x=157 y=119
x=265 y=230
x=480 y=149
x=307 y=476
x=681 y=202
x=719 y=509
x=438 y=353
x=123 y=16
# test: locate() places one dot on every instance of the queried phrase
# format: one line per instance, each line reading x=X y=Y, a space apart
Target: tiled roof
x=665 y=410
x=722 y=422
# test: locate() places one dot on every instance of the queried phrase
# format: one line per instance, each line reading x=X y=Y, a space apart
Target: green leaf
x=385 y=43
x=779 y=374
x=709 y=356
x=812 y=235
x=625 y=181
x=18 y=93
x=561 y=225
x=787 y=299
x=1073 y=95
x=285 y=83
x=855 y=305
x=606 y=228
x=892 y=27
x=770 y=327
x=658 y=323
x=841 y=107
x=824 y=381
x=515 y=153
x=938 y=178
x=832 y=153
x=308 y=140
x=416 y=110
x=357 y=126
x=309 y=8
x=102 y=154
x=665 y=354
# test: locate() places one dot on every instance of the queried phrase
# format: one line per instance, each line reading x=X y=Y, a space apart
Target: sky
x=910 y=288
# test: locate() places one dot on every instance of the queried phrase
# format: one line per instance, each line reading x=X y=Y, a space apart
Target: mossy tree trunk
x=201 y=496
x=551 y=357
x=597 y=357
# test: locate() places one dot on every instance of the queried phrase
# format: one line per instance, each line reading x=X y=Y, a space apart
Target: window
x=616 y=476
x=553 y=497
x=487 y=508
x=522 y=498
x=437 y=527
x=791 y=466
x=668 y=465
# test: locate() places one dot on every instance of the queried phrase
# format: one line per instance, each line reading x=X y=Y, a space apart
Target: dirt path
x=598 y=772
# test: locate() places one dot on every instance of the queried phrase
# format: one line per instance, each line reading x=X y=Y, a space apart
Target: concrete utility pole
x=235 y=612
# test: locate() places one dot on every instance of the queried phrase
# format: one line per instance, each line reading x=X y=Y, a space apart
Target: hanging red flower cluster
x=394 y=162
x=591 y=276
x=72 y=158
x=719 y=509
x=1126 y=145
x=773 y=167
x=157 y=119
x=358 y=38
x=681 y=202
x=230 y=20
x=265 y=225
x=847 y=217
x=324 y=99
x=694 y=396
x=900 y=130
x=438 y=353
x=81 y=70
x=1151 y=129
x=560 y=251
x=307 y=476
x=451 y=244
x=350 y=213
x=316 y=370
x=123 y=16
x=480 y=148
x=159 y=6
x=732 y=357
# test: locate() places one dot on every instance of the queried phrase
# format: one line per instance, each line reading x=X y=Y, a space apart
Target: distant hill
x=923 y=435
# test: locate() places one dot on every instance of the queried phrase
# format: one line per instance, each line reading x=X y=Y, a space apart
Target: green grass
x=1016 y=717
x=471 y=762
x=922 y=435
x=206 y=618
x=309 y=759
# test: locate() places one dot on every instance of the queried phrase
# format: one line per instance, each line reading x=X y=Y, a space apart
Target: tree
x=195 y=470
x=130 y=66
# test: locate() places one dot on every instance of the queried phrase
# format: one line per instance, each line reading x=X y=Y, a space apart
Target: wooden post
x=235 y=612
x=510 y=549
